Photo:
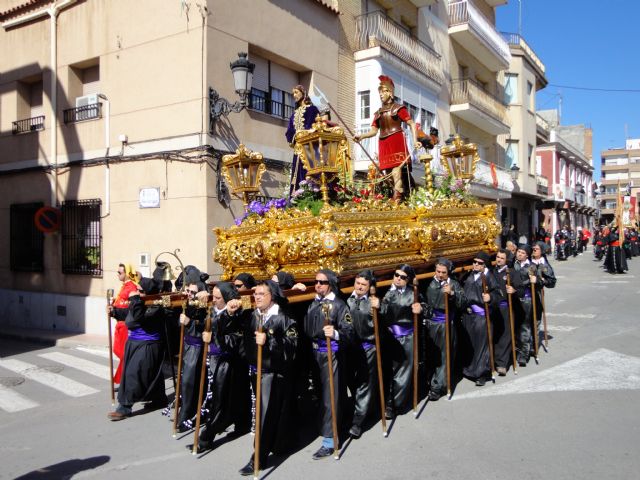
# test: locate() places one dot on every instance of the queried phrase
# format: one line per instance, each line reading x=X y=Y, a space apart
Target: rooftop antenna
x=520 y=18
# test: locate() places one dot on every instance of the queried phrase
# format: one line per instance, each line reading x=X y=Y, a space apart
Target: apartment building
x=566 y=161
x=620 y=167
x=525 y=76
x=108 y=114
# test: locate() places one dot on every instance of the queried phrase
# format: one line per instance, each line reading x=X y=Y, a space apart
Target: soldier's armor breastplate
x=388 y=121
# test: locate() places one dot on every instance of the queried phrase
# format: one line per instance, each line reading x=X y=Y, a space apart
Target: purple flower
x=238 y=221
x=281 y=203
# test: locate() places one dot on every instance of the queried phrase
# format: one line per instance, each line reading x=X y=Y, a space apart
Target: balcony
x=361 y=160
x=470 y=102
x=516 y=40
x=28 y=125
x=542 y=185
x=376 y=30
x=80 y=114
x=476 y=34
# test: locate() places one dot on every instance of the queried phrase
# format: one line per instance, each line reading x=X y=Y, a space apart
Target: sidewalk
x=54 y=338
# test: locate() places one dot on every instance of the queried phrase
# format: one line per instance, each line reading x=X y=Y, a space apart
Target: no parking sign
x=47 y=219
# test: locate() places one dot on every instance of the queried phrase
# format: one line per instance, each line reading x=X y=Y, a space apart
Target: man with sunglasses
x=397 y=309
x=500 y=319
x=339 y=331
x=476 y=365
x=436 y=347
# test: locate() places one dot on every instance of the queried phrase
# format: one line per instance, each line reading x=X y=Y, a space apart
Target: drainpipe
x=107 y=171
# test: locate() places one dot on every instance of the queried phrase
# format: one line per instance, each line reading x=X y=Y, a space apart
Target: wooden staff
x=489 y=336
x=109 y=302
x=326 y=308
x=205 y=352
x=535 y=317
x=180 y=354
x=258 y=417
x=447 y=340
x=544 y=320
x=513 y=335
x=415 y=350
x=376 y=333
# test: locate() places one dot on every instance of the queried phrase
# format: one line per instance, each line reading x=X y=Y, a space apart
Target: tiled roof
x=330 y=4
x=21 y=7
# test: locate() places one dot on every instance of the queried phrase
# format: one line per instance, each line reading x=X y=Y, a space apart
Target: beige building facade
x=620 y=167
x=105 y=115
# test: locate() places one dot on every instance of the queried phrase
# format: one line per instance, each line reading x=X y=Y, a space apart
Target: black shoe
x=155 y=405
x=480 y=382
x=203 y=445
x=248 y=469
x=322 y=453
x=389 y=414
x=355 y=431
x=434 y=396
x=522 y=363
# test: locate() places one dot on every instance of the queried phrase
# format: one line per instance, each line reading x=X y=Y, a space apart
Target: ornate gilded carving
x=347 y=239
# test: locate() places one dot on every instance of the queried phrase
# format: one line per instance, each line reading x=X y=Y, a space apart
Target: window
x=84 y=87
x=511 y=153
x=271 y=89
x=82 y=237
x=26 y=242
x=532 y=165
x=510 y=88
x=530 y=96
x=364 y=100
x=30 y=111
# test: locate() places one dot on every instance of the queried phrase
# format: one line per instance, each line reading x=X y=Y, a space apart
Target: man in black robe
x=442 y=286
x=338 y=328
x=193 y=319
x=476 y=364
x=545 y=278
x=397 y=309
x=362 y=358
x=500 y=319
x=278 y=337
x=142 y=376
x=522 y=276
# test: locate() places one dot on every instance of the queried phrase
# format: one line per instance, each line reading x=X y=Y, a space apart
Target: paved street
x=573 y=416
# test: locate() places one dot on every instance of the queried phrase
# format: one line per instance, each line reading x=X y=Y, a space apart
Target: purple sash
x=438 y=316
x=140 y=335
x=400 y=331
x=477 y=309
x=193 y=341
x=367 y=345
x=254 y=370
x=321 y=346
x=503 y=304
x=527 y=294
x=215 y=350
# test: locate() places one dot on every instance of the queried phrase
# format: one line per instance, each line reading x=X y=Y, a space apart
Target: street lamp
x=242 y=70
x=515 y=171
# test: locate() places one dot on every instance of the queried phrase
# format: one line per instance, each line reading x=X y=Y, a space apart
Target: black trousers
x=437 y=355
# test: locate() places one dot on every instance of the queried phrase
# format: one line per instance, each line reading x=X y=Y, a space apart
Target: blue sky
x=587 y=44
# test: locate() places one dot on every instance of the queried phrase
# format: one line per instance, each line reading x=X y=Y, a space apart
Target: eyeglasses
x=322 y=282
x=192 y=292
x=476 y=262
x=260 y=294
x=400 y=276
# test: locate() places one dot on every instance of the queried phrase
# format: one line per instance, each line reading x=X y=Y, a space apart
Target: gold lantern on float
x=459 y=159
x=324 y=152
x=243 y=173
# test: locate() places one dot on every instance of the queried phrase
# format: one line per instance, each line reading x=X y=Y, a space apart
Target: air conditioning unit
x=87 y=100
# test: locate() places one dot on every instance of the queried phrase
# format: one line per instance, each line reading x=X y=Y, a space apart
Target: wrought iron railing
x=82 y=237
x=516 y=39
x=468 y=91
x=542 y=185
x=261 y=101
x=28 y=125
x=375 y=29
x=463 y=11
x=86 y=112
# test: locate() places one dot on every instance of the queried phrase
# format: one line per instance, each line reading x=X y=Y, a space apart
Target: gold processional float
x=364 y=231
